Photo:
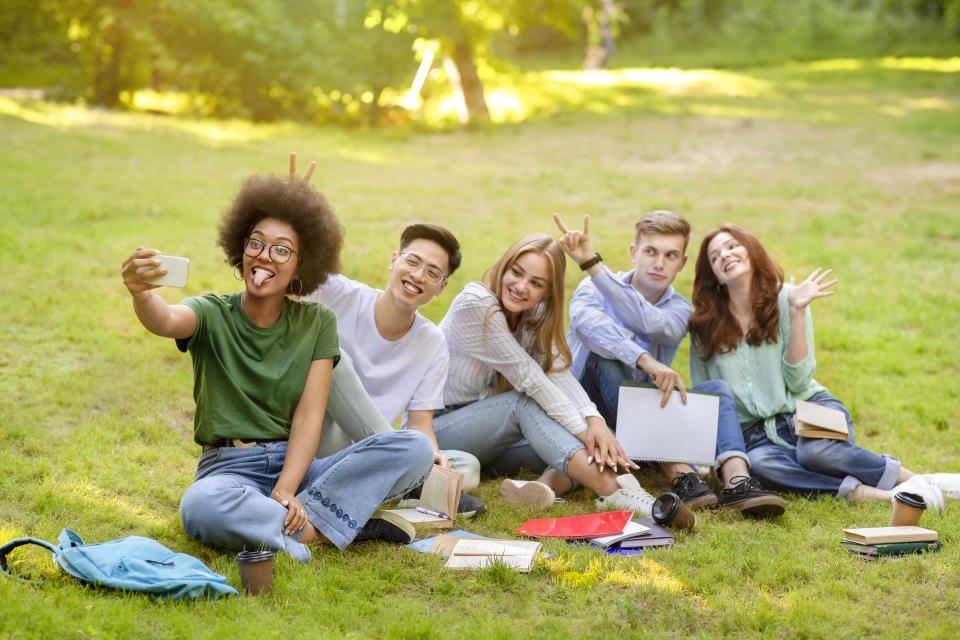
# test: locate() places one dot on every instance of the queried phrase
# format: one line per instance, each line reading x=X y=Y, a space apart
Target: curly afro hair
x=299 y=205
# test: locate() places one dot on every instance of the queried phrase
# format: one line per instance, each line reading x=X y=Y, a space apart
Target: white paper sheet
x=675 y=433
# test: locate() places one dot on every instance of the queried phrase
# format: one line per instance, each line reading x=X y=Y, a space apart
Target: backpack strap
x=19 y=542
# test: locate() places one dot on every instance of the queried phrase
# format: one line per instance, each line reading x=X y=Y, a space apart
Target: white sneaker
x=949 y=483
x=932 y=494
x=630 y=495
x=527 y=493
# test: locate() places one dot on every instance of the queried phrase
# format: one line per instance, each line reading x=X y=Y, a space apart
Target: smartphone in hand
x=176 y=275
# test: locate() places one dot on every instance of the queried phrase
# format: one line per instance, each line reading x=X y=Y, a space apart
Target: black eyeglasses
x=279 y=253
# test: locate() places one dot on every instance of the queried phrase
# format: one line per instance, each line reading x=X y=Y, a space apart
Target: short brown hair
x=664 y=223
x=299 y=205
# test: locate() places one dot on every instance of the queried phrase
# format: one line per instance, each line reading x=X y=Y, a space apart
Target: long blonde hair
x=546 y=319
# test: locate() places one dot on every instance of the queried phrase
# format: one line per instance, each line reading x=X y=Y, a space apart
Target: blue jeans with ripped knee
x=229 y=503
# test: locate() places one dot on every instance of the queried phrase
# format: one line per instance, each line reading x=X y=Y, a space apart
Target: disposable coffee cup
x=670 y=511
x=907 y=509
x=256 y=571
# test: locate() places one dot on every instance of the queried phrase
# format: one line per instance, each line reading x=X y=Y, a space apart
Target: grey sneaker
x=470 y=506
x=630 y=496
x=386 y=526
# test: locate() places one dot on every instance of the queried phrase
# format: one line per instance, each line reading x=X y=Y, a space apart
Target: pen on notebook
x=431 y=513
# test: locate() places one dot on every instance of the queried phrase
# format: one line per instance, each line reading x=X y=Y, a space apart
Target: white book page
x=472 y=553
x=632 y=529
x=675 y=433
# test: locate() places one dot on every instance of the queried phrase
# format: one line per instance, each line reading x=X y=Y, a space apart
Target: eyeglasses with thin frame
x=431 y=274
x=279 y=253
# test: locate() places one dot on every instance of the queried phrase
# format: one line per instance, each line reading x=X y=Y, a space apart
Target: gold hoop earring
x=298 y=293
x=238 y=271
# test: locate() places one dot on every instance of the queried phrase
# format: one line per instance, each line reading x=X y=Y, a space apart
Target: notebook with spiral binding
x=675 y=433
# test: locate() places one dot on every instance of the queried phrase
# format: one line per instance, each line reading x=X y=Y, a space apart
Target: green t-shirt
x=247 y=380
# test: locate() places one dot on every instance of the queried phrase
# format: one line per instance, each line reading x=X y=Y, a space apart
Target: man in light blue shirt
x=627 y=326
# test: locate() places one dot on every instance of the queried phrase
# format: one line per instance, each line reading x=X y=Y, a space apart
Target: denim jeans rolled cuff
x=890 y=473
x=727 y=455
x=888 y=480
x=522 y=456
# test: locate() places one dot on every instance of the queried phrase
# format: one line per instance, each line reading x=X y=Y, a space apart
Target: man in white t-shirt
x=398 y=356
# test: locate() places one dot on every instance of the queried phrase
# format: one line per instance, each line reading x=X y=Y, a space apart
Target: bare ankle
x=904 y=475
x=560 y=483
x=311 y=534
x=863 y=492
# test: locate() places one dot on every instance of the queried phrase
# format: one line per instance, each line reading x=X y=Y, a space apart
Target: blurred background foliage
x=357 y=61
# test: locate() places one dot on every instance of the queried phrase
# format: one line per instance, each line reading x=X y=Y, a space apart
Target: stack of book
x=874 y=542
x=612 y=531
x=636 y=536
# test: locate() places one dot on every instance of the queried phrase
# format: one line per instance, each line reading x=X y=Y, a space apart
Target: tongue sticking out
x=260 y=276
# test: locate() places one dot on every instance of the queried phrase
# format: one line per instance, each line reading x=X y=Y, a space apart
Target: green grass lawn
x=853 y=165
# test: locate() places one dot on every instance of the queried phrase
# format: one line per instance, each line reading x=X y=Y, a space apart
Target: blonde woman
x=509 y=393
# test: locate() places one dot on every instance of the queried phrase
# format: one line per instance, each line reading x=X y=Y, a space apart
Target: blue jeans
x=487 y=428
x=229 y=503
x=817 y=465
x=351 y=416
x=601 y=379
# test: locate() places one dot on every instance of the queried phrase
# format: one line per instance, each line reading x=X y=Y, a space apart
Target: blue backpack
x=131 y=564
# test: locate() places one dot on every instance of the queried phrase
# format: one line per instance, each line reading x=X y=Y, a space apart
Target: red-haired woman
x=754 y=331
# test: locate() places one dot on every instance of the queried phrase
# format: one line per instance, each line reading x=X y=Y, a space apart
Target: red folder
x=592 y=525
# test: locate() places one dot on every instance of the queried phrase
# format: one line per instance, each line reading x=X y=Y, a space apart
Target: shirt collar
x=626 y=276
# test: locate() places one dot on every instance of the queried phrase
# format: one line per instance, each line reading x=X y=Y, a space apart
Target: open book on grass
x=439 y=497
x=479 y=553
x=817 y=421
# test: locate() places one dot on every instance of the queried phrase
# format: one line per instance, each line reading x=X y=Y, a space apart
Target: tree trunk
x=106 y=84
x=470 y=85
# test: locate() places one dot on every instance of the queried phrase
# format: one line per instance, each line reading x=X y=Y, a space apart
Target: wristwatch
x=596 y=259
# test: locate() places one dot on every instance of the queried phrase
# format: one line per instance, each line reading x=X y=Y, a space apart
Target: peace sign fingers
x=293 y=169
x=577 y=244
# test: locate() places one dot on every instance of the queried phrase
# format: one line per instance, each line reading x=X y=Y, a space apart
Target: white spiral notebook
x=675 y=433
